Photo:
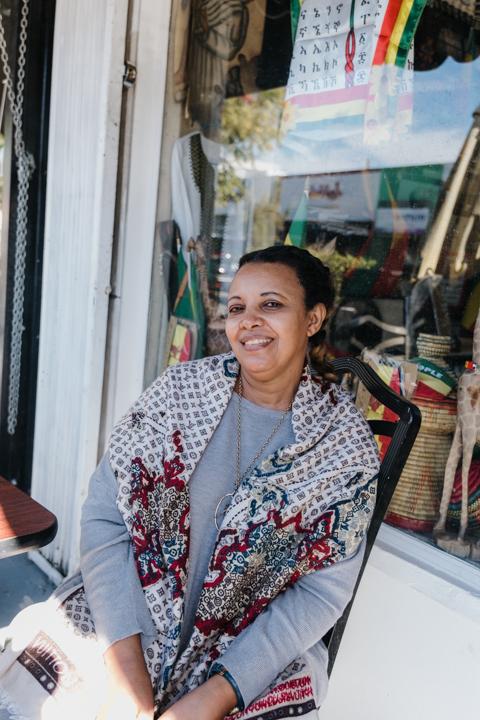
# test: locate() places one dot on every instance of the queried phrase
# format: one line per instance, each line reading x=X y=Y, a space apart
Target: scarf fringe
x=12 y=709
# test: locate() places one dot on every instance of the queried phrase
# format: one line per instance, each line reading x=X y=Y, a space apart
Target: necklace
x=239 y=477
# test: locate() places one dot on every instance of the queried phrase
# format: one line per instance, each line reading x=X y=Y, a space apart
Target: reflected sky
x=443 y=102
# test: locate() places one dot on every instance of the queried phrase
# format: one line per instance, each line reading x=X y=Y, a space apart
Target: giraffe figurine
x=467 y=433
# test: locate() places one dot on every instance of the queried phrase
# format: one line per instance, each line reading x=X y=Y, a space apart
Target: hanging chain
x=25 y=166
x=240 y=476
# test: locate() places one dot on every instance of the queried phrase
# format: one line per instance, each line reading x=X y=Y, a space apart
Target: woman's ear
x=317 y=317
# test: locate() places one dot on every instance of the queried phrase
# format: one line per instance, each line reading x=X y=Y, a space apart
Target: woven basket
x=434 y=346
x=416 y=502
x=438 y=417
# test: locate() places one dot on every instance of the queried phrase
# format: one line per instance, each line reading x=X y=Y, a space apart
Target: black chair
x=403 y=433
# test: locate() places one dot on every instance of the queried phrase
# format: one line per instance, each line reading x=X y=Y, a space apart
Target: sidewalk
x=21 y=584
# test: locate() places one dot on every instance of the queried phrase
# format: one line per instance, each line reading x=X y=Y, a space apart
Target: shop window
x=351 y=130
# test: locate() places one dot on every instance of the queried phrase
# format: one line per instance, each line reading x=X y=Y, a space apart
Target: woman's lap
x=62 y=657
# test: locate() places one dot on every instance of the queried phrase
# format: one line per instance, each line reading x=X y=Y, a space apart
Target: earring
x=309 y=360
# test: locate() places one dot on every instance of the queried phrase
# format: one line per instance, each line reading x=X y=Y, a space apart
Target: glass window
x=349 y=128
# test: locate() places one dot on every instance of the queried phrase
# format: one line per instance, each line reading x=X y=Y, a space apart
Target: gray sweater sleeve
x=295 y=621
x=107 y=564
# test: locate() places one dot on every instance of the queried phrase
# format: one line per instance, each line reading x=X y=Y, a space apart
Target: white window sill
x=445 y=578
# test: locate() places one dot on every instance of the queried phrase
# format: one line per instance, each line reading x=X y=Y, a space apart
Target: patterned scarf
x=305 y=507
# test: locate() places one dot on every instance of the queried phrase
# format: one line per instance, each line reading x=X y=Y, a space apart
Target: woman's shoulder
x=192 y=373
x=214 y=365
x=342 y=409
x=336 y=394
x=148 y=413
x=176 y=381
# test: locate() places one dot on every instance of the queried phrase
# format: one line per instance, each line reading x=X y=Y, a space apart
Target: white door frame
x=137 y=212
x=85 y=110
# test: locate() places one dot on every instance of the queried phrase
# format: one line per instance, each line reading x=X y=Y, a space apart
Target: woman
x=224 y=528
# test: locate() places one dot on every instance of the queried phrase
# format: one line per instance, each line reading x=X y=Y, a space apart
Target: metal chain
x=241 y=476
x=25 y=167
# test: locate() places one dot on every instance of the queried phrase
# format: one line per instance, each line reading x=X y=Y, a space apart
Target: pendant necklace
x=238 y=477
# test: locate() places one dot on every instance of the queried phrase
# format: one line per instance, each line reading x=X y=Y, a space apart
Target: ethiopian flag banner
x=400 y=21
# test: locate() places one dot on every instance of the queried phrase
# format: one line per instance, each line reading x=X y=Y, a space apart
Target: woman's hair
x=316 y=281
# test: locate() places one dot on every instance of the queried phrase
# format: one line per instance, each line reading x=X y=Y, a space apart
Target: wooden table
x=24 y=523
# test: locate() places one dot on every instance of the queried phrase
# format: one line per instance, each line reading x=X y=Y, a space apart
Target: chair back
x=403 y=433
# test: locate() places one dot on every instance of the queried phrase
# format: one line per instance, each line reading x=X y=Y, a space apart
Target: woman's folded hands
x=129 y=694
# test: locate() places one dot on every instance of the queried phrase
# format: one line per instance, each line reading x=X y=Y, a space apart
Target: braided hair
x=316 y=281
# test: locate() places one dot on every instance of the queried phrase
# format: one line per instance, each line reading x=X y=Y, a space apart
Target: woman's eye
x=234 y=309
x=273 y=304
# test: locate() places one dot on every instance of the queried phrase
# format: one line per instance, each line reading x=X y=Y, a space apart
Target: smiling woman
x=277 y=305
x=223 y=531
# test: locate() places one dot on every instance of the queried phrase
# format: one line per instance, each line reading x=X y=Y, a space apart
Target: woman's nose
x=251 y=320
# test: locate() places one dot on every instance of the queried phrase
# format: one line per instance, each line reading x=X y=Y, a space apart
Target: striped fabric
x=397 y=31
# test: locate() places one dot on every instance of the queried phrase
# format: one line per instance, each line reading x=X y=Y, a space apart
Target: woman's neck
x=276 y=394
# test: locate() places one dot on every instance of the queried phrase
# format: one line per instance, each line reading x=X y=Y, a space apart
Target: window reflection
x=337 y=127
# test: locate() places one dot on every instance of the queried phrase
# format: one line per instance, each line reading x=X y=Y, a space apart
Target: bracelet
x=218 y=669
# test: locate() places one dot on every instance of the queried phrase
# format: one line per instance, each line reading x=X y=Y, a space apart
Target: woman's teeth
x=257 y=341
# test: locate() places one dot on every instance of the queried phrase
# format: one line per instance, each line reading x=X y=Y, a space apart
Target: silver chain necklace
x=239 y=477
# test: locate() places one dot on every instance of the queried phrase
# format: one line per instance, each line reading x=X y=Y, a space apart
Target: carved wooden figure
x=467 y=433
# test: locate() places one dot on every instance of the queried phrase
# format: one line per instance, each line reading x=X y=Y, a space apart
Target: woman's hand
x=129 y=692
x=211 y=701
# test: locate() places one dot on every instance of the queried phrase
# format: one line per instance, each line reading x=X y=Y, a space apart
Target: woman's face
x=267 y=324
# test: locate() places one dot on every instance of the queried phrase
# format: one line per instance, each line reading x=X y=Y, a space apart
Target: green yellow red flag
x=397 y=31
x=298 y=228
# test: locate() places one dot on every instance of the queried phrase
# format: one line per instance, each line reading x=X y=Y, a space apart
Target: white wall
x=411 y=649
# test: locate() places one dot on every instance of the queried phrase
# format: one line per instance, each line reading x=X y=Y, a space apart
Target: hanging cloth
x=336 y=46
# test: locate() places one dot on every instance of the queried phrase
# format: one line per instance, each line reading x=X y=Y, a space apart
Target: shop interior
x=308 y=123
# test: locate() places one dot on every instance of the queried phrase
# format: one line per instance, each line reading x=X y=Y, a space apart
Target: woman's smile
x=254 y=343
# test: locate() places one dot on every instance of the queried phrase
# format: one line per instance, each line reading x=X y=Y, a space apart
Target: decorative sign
x=414 y=220
x=332 y=58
